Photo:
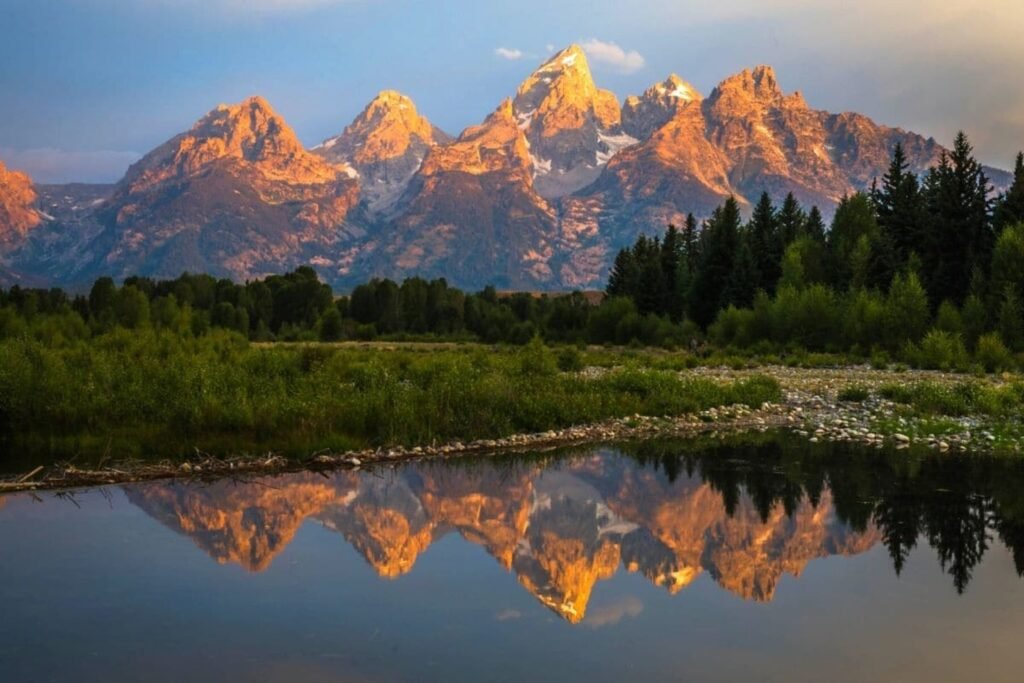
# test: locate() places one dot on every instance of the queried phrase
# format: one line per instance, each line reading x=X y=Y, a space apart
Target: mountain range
x=560 y=532
x=539 y=196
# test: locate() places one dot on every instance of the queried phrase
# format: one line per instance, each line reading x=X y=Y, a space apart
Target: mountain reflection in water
x=563 y=525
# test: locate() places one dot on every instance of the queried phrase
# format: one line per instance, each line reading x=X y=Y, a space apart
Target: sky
x=88 y=86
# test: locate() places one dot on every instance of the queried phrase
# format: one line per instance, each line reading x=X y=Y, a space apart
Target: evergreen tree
x=1010 y=207
x=651 y=286
x=743 y=280
x=765 y=244
x=624 y=276
x=720 y=242
x=961 y=235
x=900 y=207
x=792 y=220
x=815 y=228
x=906 y=310
x=673 y=267
x=691 y=248
x=855 y=224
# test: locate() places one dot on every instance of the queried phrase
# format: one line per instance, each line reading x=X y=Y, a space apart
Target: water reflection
x=746 y=515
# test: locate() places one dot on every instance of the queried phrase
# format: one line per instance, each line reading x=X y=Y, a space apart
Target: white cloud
x=509 y=53
x=611 y=54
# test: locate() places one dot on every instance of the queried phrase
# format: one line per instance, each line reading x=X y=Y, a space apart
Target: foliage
x=185 y=391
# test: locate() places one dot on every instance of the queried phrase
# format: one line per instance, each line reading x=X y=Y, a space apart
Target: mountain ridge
x=539 y=196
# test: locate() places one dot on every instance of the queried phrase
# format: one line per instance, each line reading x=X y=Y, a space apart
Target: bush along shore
x=855 y=404
x=153 y=395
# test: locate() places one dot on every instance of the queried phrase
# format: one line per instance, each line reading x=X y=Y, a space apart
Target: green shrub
x=992 y=354
x=941 y=350
x=570 y=360
x=854 y=394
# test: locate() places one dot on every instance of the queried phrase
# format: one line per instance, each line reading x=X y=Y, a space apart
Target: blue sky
x=88 y=85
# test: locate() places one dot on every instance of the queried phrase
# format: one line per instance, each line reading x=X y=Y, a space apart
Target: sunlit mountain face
x=563 y=526
x=540 y=195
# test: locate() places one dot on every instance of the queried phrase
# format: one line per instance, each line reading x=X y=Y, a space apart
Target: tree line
x=930 y=265
x=957 y=506
x=929 y=269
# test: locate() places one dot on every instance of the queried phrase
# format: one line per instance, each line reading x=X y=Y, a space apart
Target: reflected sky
x=658 y=564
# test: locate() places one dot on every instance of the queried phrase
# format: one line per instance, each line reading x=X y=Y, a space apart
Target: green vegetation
x=963 y=398
x=148 y=389
x=854 y=394
x=925 y=271
x=953 y=504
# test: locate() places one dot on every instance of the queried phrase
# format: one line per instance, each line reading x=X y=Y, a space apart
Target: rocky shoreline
x=811 y=408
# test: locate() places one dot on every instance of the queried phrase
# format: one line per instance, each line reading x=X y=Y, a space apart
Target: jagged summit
x=676 y=88
x=755 y=87
x=573 y=126
x=497 y=144
x=572 y=58
x=385 y=129
x=643 y=115
x=760 y=83
x=250 y=133
x=385 y=144
x=236 y=195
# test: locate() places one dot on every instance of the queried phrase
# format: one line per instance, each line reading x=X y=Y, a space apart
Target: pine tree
x=691 y=247
x=719 y=246
x=900 y=206
x=961 y=236
x=792 y=220
x=743 y=280
x=765 y=244
x=1010 y=207
x=623 y=278
x=852 y=244
x=673 y=267
x=650 y=291
x=815 y=228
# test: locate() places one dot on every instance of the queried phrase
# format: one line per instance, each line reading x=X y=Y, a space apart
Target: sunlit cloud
x=509 y=53
x=628 y=607
x=625 y=61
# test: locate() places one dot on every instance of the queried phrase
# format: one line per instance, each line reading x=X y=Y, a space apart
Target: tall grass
x=192 y=390
x=964 y=398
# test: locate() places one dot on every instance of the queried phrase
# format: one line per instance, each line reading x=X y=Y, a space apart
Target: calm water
x=767 y=561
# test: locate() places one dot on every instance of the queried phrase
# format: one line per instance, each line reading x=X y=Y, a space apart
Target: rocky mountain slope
x=18 y=214
x=471 y=209
x=386 y=145
x=573 y=127
x=539 y=196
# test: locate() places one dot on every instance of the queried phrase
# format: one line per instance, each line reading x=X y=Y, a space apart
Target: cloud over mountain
x=626 y=61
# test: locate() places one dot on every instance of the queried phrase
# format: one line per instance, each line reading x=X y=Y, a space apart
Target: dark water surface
x=766 y=561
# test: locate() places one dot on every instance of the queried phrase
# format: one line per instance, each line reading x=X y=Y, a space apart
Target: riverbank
x=874 y=408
